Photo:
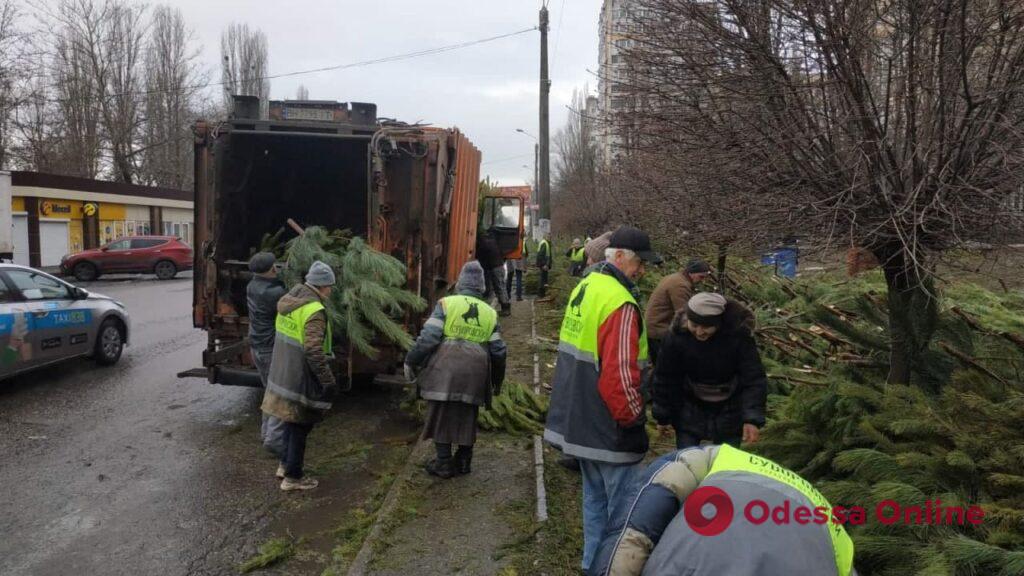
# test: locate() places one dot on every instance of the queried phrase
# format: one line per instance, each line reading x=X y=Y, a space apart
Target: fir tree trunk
x=913 y=314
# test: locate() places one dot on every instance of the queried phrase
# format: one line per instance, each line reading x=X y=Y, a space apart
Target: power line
x=507 y=159
x=558 y=33
x=383 y=60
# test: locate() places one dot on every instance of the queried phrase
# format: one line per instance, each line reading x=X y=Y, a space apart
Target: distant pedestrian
x=577 y=258
x=544 y=262
x=489 y=255
x=262 y=295
x=668 y=298
x=301 y=383
x=596 y=412
x=460 y=357
x=709 y=383
x=515 y=269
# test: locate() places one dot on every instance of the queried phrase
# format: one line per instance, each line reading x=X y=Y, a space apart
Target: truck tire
x=109 y=343
x=85 y=272
x=165 y=270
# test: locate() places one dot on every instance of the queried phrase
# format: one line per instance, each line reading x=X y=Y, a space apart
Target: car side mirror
x=79 y=294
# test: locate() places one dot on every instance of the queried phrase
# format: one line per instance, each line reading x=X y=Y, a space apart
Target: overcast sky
x=487 y=90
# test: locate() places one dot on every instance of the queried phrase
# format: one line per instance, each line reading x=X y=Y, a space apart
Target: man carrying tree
x=461 y=359
x=301 y=383
x=597 y=410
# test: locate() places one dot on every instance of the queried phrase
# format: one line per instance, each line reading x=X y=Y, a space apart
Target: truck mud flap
x=225 y=375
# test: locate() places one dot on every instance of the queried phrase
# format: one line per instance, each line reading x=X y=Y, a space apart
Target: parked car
x=44 y=320
x=164 y=256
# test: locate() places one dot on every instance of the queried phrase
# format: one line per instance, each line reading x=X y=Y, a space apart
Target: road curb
x=538 y=445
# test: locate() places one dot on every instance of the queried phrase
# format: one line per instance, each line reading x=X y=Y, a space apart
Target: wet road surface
x=126 y=469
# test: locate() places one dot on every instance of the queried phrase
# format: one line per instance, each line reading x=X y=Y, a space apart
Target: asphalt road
x=126 y=469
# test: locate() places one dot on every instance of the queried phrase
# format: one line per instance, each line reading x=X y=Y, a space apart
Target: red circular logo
x=693 y=510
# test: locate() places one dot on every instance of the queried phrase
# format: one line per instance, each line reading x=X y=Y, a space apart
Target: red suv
x=164 y=256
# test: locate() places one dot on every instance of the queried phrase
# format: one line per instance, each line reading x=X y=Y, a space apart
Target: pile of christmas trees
x=369 y=299
x=955 y=435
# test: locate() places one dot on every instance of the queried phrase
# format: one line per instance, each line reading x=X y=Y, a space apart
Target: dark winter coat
x=488 y=253
x=262 y=295
x=730 y=354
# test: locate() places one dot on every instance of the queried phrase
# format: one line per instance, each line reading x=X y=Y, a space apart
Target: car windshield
x=38 y=286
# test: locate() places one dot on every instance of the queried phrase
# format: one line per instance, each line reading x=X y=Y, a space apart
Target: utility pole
x=544 y=167
x=536 y=190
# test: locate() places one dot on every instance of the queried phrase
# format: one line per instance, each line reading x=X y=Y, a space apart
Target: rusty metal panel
x=201 y=225
x=462 y=225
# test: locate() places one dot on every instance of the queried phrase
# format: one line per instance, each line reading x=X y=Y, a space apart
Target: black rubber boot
x=506 y=310
x=441 y=468
x=463 y=460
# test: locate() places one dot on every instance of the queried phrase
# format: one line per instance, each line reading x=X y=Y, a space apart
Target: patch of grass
x=353 y=530
x=339 y=457
x=271 y=552
x=556 y=546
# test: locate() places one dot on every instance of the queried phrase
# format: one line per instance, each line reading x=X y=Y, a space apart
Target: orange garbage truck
x=411 y=191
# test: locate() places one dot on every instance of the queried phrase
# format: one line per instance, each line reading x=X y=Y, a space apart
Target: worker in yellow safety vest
x=577 y=258
x=720 y=510
x=301 y=384
x=460 y=359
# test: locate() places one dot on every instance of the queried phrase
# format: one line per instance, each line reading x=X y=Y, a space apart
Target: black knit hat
x=697 y=266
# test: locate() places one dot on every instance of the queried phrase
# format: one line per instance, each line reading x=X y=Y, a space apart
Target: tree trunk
x=913 y=315
x=723 y=254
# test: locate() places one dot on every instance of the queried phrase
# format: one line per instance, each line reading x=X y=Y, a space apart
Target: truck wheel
x=109 y=343
x=165 y=270
x=86 y=272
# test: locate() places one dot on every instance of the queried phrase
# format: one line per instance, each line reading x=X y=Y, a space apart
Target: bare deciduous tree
x=78 y=107
x=896 y=126
x=576 y=170
x=245 y=63
x=11 y=72
x=172 y=84
x=107 y=38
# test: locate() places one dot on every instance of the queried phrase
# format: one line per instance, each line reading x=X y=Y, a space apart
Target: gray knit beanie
x=706 y=308
x=471 y=278
x=320 y=275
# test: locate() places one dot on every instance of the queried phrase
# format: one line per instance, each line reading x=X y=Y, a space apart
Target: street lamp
x=536 y=178
x=521 y=131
